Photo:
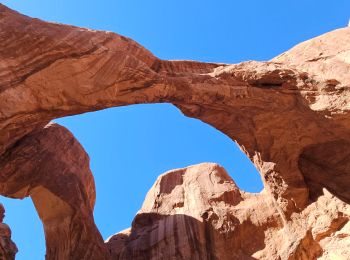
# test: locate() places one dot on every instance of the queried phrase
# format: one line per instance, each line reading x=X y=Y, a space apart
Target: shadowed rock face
x=289 y=115
x=8 y=249
x=51 y=167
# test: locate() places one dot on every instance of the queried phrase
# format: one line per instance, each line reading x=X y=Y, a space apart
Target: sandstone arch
x=275 y=110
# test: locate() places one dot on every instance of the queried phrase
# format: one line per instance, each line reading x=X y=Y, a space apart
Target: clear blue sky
x=130 y=146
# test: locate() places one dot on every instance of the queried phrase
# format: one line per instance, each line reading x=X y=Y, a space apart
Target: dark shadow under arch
x=327 y=165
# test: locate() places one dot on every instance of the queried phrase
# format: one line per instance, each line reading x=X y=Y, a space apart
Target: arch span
x=274 y=110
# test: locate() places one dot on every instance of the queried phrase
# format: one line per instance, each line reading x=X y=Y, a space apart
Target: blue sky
x=130 y=146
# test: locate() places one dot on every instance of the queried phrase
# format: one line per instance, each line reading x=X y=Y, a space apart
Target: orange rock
x=199 y=213
x=289 y=115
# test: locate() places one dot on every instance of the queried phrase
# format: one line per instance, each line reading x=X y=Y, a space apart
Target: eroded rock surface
x=8 y=248
x=189 y=214
x=51 y=167
x=289 y=115
x=199 y=213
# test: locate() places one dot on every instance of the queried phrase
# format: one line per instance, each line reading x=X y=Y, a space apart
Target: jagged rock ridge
x=289 y=115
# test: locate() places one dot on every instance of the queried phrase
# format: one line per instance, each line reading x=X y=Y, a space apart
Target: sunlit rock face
x=193 y=213
x=289 y=115
x=8 y=248
x=199 y=213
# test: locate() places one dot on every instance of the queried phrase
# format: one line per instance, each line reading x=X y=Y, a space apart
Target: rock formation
x=62 y=189
x=199 y=213
x=8 y=249
x=289 y=115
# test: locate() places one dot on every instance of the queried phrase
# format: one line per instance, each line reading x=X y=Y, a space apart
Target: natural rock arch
x=275 y=110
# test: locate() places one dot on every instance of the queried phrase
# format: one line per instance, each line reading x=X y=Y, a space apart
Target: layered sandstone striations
x=289 y=115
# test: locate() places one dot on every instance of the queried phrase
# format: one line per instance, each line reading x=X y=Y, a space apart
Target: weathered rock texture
x=199 y=213
x=51 y=166
x=8 y=249
x=290 y=116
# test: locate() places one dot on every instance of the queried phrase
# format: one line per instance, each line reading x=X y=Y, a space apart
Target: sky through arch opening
x=129 y=147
